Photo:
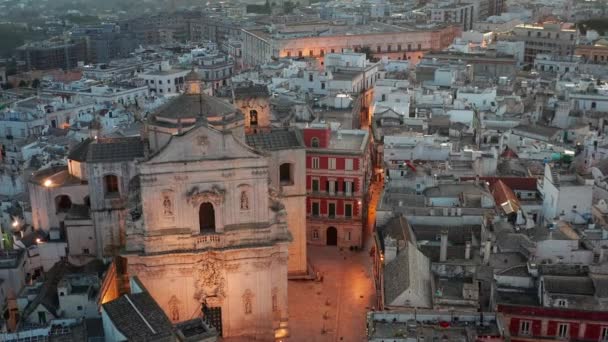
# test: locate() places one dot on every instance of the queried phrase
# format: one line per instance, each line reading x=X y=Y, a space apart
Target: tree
x=22 y=84
x=35 y=83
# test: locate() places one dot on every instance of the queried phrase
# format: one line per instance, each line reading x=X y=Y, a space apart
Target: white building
x=463 y=13
x=556 y=64
x=400 y=148
x=165 y=79
x=568 y=196
x=480 y=99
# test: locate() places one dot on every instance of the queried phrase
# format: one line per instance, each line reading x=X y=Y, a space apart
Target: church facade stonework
x=210 y=233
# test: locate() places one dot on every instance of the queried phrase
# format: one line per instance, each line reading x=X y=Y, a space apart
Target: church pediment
x=202 y=143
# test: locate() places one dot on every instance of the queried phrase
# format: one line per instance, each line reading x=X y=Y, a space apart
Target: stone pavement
x=334 y=309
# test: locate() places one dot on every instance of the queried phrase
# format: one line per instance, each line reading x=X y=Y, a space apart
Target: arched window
x=206 y=218
x=314 y=142
x=63 y=203
x=110 y=183
x=286 y=174
x=253 y=117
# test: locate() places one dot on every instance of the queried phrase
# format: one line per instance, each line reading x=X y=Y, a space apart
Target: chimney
x=486 y=252
x=467 y=250
x=443 y=252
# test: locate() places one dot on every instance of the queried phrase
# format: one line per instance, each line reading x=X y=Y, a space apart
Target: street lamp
x=48 y=183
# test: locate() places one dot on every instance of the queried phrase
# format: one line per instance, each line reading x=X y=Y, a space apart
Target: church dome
x=192 y=76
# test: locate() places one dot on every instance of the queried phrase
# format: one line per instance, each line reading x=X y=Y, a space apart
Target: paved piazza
x=334 y=309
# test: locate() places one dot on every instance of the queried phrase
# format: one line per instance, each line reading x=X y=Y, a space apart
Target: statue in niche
x=167 y=206
x=248 y=301
x=244 y=201
x=174 y=308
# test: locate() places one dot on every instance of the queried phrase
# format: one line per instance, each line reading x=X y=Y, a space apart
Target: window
x=310 y=53
x=299 y=53
x=253 y=117
x=562 y=303
x=111 y=184
x=314 y=142
x=348 y=236
x=562 y=330
x=593 y=105
x=310 y=78
x=332 y=163
x=315 y=208
x=286 y=174
x=322 y=85
x=63 y=203
x=398 y=47
x=79 y=308
x=378 y=49
x=604 y=334
x=348 y=188
x=42 y=317
x=348 y=164
x=322 y=52
x=331 y=209
x=288 y=53
x=524 y=328
x=61 y=294
x=206 y=218
x=331 y=187
x=419 y=46
x=315 y=162
x=315 y=185
x=389 y=48
x=160 y=81
x=557 y=36
x=348 y=210
x=409 y=47
x=86 y=251
x=332 y=50
x=315 y=234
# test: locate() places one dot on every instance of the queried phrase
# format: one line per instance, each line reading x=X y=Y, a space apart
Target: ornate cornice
x=215 y=195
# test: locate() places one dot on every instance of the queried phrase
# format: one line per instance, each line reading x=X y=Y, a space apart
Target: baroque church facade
x=209 y=219
x=206 y=227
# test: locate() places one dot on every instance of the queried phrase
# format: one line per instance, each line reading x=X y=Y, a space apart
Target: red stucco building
x=529 y=323
x=338 y=172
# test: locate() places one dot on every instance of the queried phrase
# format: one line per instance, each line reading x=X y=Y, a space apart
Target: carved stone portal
x=209 y=281
x=215 y=195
